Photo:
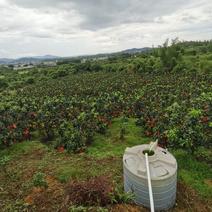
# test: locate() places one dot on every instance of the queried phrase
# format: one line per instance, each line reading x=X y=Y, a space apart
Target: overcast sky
x=75 y=27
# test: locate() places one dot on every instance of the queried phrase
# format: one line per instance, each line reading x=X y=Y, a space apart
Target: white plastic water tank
x=163 y=172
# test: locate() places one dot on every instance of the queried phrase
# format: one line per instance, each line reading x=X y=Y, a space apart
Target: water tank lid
x=162 y=164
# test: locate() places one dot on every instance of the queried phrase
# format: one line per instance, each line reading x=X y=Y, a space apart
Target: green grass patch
x=83 y=167
x=111 y=145
x=103 y=157
x=65 y=173
x=194 y=173
x=70 y=169
x=23 y=148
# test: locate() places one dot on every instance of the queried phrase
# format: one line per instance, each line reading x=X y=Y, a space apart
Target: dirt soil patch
x=36 y=154
x=127 y=208
x=93 y=192
x=188 y=200
x=49 y=199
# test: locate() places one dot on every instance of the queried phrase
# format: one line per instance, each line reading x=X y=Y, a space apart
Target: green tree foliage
x=170 y=55
x=3 y=84
x=70 y=103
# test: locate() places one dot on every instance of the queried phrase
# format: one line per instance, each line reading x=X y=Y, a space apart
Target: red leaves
x=32 y=114
x=206 y=108
x=104 y=120
x=61 y=149
x=115 y=114
x=151 y=122
x=12 y=126
x=157 y=133
x=148 y=133
x=26 y=133
x=163 y=142
x=204 y=120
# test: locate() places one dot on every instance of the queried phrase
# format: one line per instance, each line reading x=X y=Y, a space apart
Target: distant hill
x=39 y=59
x=47 y=57
x=5 y=60
x=35 y=59
x=136 y=50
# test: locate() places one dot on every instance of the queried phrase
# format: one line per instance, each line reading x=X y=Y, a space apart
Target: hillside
x=64 y=129
x=39 y=59
x=136 y=50
x=26 y=60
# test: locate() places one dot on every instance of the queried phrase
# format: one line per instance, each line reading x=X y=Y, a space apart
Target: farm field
x=101 y=159
x=64 y=129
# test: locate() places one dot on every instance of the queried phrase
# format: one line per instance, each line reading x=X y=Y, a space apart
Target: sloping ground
x=19 y=177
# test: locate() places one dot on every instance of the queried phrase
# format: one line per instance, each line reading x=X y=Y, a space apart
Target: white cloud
x=85 y=27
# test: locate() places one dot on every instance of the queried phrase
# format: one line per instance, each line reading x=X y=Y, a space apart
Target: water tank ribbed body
x=163 y=171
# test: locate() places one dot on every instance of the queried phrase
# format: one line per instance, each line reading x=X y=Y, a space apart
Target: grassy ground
x=111 y=144
x=103 y=157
